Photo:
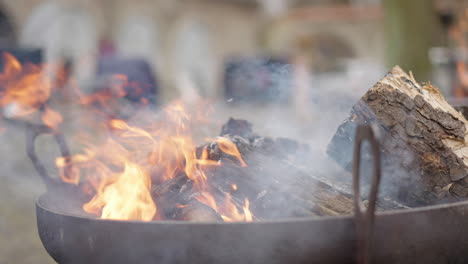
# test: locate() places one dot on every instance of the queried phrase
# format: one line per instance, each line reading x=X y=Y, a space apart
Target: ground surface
x=19 y=188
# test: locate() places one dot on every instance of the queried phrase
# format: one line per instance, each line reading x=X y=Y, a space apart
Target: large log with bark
x=424 y=139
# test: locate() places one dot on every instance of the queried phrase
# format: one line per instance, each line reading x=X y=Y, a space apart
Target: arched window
x=326 y=51
x=67 y=35
x=193 y=58
x=41 y=18
x=137 y=37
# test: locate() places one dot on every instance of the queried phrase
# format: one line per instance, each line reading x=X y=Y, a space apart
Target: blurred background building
x=192 y=39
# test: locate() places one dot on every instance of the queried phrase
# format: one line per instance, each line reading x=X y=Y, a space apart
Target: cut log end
x=424 y=144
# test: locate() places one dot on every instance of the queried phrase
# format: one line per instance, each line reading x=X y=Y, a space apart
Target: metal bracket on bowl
x=364 y=219
x=32 y=132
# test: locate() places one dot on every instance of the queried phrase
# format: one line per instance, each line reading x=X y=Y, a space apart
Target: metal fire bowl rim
x=42 y=204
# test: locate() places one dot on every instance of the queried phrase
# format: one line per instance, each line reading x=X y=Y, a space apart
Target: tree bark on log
x=424 y=140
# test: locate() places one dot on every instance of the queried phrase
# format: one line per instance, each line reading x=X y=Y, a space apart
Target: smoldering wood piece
x=241 y=133
x=172 y=193
x=196 y=211
x=175 y=185
x=288 y=185
x=237 y=127
x=275 y=186
x=267 y=201
x=280 y=148
x=215 y=153
x=175 y=194
x=275 y=192
x=228 y=174
x=341 y=180
x=278 y=189
x=424 y=144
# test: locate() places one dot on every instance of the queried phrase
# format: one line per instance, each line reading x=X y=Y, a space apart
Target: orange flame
x=149 y=156
x=63 y=163
x=208 y=199
x=230 y=212
x=24 y=90
x=127 y=198
x=122 y=170
x=247 y=213
x=104 y=97
x=228 y=147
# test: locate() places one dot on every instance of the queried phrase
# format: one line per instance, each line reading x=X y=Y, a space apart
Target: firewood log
x=237 y=127
x=172 y=193
x=424 y=139
x=288 y=189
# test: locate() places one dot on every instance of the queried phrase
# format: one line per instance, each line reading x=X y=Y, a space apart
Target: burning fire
x=147 y=157
x=124 y=168
x=24 y=90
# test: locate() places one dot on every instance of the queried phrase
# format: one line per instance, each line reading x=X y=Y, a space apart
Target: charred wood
x=196 y=211
x=237 y=127
x=278 y=189
x=171 y=194
x=274 y=185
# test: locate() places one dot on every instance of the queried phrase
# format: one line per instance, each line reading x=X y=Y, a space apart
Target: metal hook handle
x=32 y=132
x=365 y=218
